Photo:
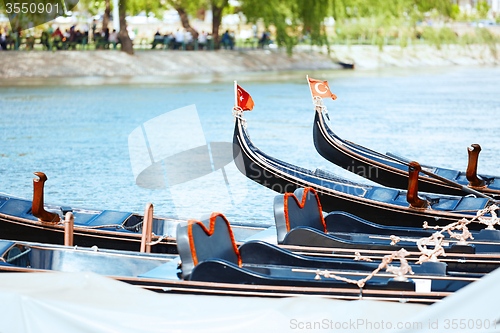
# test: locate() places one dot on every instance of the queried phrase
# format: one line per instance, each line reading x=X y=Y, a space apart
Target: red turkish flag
x=245 y=101
x=320 y=89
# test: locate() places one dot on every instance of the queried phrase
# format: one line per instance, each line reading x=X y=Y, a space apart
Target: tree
x=182 y=7
x=294 y=19
x=107 y=14
x=217 y=8
x=125 y=41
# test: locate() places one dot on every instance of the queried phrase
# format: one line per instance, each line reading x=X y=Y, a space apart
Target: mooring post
x=412 y=194
x=471 y=172
x=147 y=227
x=37 y=207
x=69 y=223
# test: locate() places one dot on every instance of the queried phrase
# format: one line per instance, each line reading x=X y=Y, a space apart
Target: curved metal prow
x=37 y=208
x=471 y=172
x=412 y=194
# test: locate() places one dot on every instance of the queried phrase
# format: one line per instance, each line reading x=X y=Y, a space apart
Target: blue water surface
x=76 y=130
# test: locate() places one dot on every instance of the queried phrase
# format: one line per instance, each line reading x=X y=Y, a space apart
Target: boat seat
x=447 y=173
x=382 y=194
x=2 y=200
x=261 y=253
x=18 y=208
x=301 y=208
x=342 y=222
x=469 y=203
x=4 y=246
x=108 y=217
x=196 y=243
x=83 y=218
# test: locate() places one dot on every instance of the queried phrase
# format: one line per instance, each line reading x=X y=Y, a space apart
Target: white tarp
x=475 y=308
x=86 y=302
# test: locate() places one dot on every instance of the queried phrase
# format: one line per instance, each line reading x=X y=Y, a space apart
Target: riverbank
x=64 y=64
x=155 y=63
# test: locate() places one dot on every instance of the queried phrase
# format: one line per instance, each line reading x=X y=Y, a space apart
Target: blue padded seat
x=108 y=217
x=299 y=209
x=18 y=208
x=196 y=243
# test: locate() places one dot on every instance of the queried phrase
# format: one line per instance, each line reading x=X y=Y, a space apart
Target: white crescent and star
x=241 y=94
x=316 y=87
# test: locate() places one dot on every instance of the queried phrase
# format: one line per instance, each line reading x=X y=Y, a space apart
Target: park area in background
x=251 y=24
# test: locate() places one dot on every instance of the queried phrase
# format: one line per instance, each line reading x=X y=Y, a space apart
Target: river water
x=76 y=130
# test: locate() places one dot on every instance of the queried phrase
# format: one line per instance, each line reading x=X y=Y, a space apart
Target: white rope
x=158 y=240
x=238 y=113
x=400 y=271
x=318 y=104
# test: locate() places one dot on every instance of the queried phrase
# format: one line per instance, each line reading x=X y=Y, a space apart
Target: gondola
x=386 y=206
x=211 y=263
x=32 y=220
x=392 y=170
x=300 y=222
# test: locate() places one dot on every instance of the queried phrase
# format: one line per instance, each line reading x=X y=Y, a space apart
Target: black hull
x=269 y=291
x=377 y=167
x=24 y=231
x=334 y=195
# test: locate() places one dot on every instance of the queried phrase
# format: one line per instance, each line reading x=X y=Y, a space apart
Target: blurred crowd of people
x=51 y=37
x=55 y=38
x=182 y=39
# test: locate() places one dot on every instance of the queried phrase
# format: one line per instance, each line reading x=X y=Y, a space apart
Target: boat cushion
x=447 y=173
x=18 y=208
x=196 y=243
x=382 y=194
x=299 y=209
x=4 y=246
x=470 y=203
x=108 y=217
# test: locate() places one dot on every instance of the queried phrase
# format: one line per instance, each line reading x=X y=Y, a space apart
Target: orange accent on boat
x=37 y=208
x=412 y=194
x=301 y=205
x=471 y=172
x=210 y=232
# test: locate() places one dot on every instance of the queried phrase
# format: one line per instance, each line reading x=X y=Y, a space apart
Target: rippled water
x=76 y=130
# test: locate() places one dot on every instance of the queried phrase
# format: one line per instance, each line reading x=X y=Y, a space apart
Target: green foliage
x=93 y=6
x=455 y=11
x=482 y=9
x=156 y=7
x=281 y=14
x=372 y=19
x=484 y=36
x=438 y=37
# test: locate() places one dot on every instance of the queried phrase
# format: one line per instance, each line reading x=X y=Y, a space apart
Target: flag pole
x=235 y=93
x=309 y=85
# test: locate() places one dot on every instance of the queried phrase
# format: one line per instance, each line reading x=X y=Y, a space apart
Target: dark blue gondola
x=386 y=206
x=392 y=170
x=300 y=222
x=34 y=221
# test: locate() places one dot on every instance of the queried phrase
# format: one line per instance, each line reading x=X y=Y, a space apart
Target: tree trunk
x=123 y=34
x=217 y=19
x=185 y=21
x=105 y=18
